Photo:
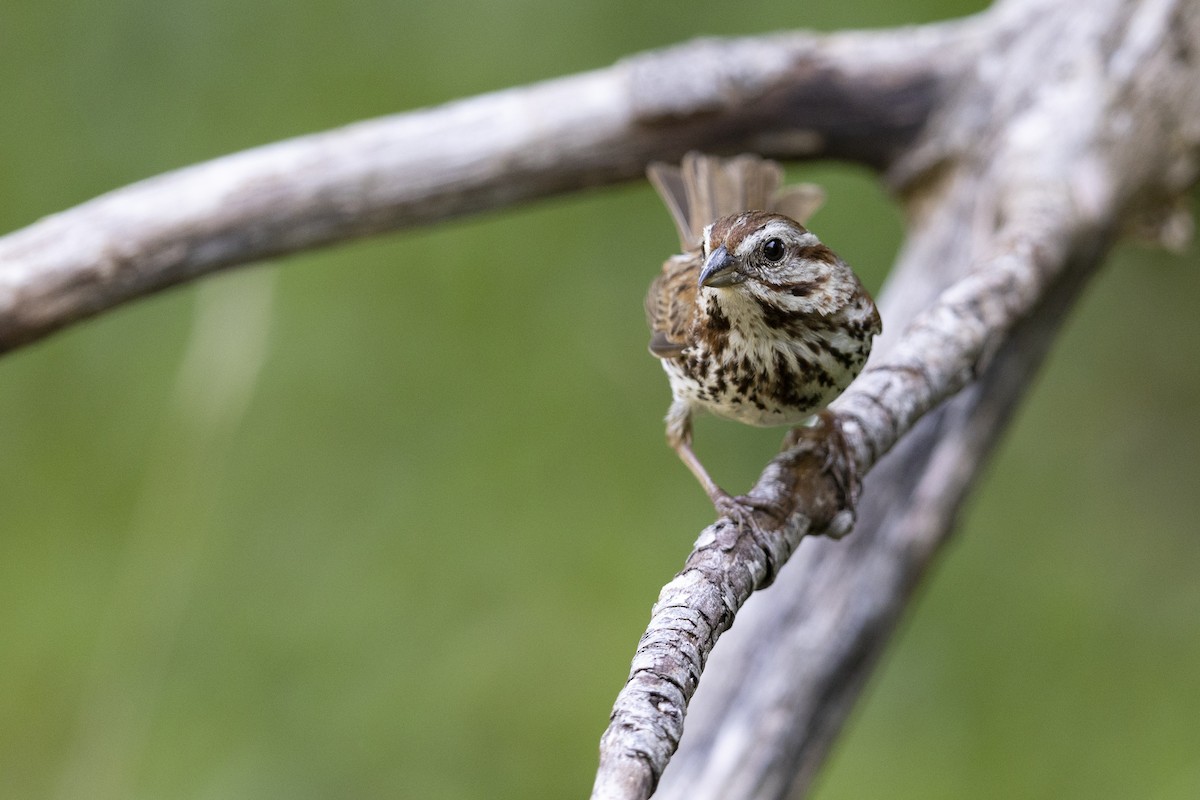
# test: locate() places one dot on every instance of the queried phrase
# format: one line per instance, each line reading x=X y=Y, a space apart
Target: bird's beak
x=720 y=270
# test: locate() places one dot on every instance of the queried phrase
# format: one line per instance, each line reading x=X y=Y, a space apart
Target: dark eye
x=773 y=250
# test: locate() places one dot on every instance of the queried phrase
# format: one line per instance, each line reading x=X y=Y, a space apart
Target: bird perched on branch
x=756 y=321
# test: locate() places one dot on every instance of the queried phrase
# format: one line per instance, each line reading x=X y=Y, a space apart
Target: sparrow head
x=764 y=257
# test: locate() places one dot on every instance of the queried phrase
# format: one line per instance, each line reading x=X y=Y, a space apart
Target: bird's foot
x=743 y=509
x=823 y=438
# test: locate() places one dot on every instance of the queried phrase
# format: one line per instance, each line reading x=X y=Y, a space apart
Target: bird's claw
x=742 y=510
x=824 y=438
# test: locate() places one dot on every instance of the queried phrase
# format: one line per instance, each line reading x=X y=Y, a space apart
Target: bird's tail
x=704 y=188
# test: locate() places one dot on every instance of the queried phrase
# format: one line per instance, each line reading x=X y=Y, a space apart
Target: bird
x=756 y=321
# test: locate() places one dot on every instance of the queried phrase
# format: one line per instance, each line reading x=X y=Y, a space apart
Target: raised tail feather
x=705 y=188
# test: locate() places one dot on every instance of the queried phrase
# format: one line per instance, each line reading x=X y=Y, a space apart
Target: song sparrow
x=756 y=321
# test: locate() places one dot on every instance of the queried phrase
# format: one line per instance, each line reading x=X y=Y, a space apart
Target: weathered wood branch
x=940 y=353
x=1071 y=122
x=777 y=691
x=1021 y=140
x=868 y=95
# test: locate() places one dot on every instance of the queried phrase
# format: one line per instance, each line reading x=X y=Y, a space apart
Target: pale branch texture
x=970 y=321
x=1021 y=141
x=1071 y=121
x=778 y=689
x=873 y=92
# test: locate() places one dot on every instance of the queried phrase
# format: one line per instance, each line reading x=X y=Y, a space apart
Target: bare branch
x=937 y=356
x=1020 y=140
x=776 y=692
x=1016 y=191
x=486 y=152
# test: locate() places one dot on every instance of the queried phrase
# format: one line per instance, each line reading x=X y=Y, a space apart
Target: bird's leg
x=719 y=496
x=679 y=435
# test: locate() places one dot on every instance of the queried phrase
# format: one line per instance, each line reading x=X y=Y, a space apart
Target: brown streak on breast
x=773 y=316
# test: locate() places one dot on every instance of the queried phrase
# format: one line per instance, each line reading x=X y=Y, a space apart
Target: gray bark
x=1063 y=124
x=486 y=152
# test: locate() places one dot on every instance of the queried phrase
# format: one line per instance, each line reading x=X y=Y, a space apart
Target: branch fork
x=1020 y=140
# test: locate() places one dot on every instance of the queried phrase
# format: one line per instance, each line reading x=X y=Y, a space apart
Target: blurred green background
x=387 y=520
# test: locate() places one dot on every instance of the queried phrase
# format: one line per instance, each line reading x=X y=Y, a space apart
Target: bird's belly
x=764 y=392
x=759 y=417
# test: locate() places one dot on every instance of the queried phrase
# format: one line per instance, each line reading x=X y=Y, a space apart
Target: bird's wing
x=671 y=304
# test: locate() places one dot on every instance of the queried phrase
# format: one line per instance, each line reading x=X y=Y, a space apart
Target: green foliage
x=408 y=550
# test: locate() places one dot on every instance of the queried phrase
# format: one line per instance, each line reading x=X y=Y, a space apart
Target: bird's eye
x=773 y=250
